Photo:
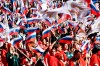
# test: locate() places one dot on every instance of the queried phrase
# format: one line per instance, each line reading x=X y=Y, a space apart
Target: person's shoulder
x=94 y=55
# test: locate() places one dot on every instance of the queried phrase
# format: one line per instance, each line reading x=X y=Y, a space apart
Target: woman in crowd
x=12 y=56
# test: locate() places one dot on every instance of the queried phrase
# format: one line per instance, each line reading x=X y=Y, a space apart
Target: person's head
x=20 y=45
x=5 y=45
x=65 y=47
x=59 y=47
x=12 y=49
x=96 y=48
x=77 y=54
x=53 y=52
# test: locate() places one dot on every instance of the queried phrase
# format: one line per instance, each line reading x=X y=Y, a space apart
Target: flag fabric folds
x=46 y=32
x=47 y=21
x=31 y=30
x=66 y=40
x=2 y=39
x=14 y=31
x=31 y=37
x=1 y=27
x=31 y=20
x=16 y=41
x=6 y=10
x=94 y=10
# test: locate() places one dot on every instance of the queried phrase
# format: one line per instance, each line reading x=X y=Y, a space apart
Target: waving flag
x=70 y=24
x=39 y=49
x=24 y=10
x=31 y=30
x=46 y=32
x=66 y=40
x=19 y=22
x=93 y=8
x=31 y=37
x=31 y=20
x=62 y=19
x=2 y=39
x=47 y=21
x=88 y=2
x=85 y=46
x=6 y=10
x=1 y=27
x=14 y=31
x=16 y=41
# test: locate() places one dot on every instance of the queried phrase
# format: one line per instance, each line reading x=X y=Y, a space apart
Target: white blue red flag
x=66 y=40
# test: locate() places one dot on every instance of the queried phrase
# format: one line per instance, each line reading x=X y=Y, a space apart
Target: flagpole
x=22 y=53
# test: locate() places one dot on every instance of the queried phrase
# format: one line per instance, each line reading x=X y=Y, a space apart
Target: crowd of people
x=49 y=33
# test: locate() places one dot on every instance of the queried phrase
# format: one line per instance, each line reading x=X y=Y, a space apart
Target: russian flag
x=48 y=22
x=39 y=49
x=46 y=32
x=14 y=31
x=34 y=9
x=31 y=37
x=1 y=27
x=19 y=22
x=16 y=41
x=77 y=28
x=94 y=10
x=88 y=2
x=66 y=40
x=6 y=10
x=70 y=24
x=31 y=30
x=1 y=39
x=24 y=10
x=31 y=20
x=90 y=18
x=85 y=45
x=62 y=19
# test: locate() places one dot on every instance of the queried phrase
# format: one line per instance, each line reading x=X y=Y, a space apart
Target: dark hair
x=96 y=48
x=76 y=51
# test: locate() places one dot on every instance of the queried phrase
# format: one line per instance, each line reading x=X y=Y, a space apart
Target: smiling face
x=59 y=48
x=53 y=52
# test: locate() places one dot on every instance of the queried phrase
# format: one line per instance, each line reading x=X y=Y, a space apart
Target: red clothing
x=53 y=61
x=81 y=60
x=24 y=62
x=46 y=59
x=63 y=54
x=33 y=59
x=94 y=60
x=3 y=57
x=99 y=61
x=61 y=63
